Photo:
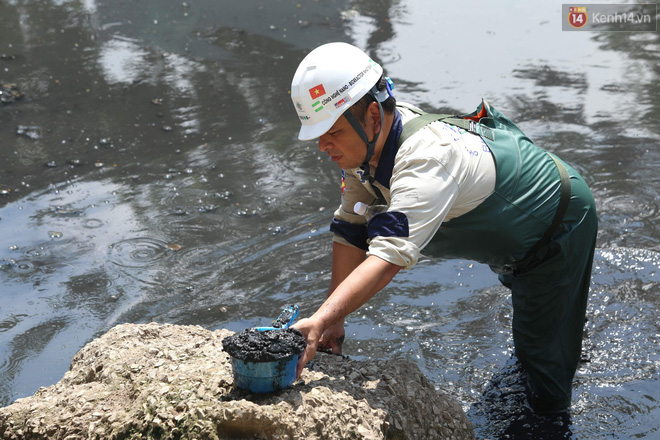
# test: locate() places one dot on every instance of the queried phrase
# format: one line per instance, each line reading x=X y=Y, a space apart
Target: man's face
x=343 y=145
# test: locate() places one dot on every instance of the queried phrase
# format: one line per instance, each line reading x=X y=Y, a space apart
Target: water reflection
x=123 y=61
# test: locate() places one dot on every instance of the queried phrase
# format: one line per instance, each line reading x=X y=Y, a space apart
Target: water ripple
x=203 y=257
x=26 y=345
x=638 y=208
x=138 y=252
x=92 y=223
x=16 y=266
x=10 y=322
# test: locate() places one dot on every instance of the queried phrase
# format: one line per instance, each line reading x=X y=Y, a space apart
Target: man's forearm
x=356 y=288
x=345 y=259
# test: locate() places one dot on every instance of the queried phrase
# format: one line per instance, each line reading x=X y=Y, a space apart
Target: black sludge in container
x=252 y=345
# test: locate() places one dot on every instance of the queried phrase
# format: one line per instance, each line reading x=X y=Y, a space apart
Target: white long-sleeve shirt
x=439 y=173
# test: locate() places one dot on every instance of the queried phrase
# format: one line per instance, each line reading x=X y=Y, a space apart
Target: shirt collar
x=387 y=156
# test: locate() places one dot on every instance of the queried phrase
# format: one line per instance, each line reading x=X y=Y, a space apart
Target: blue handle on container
x=285 y=319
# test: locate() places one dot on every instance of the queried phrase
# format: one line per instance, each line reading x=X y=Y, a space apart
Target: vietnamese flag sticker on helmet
x=317 y=91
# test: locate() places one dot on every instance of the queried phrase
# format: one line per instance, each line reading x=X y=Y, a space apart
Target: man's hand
x=312 y=331
x=327 y=324
x=333 y=338
x=330 y=339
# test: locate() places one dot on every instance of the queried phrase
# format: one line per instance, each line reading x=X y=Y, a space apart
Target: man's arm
x=355 y=287
x=344 y=260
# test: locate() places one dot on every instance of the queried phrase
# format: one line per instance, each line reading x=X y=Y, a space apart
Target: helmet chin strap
x=371 y=144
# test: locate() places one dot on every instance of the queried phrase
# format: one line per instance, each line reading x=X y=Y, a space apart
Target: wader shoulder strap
x=413 y=125
x=564 y=198
x=539 y=252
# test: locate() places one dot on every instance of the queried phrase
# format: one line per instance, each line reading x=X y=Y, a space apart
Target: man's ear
x=373 y=117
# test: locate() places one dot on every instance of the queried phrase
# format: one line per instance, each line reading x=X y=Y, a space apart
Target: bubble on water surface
x=74 y=162
x=275 y=230
x=207 y=208
x=247 y=212
x=36 y=252
x=224 y=195
x=23 y=267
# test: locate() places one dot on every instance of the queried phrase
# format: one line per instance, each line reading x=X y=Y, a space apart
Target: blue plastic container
x=264 y=377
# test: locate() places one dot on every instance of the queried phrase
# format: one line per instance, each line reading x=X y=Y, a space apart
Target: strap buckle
x=486 y=132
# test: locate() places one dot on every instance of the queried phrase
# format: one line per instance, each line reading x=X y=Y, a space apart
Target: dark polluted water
x=150 y=172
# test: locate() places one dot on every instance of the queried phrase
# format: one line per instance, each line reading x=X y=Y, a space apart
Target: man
x=472 y=187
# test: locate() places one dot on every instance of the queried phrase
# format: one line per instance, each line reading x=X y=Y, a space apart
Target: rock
x=175 y=382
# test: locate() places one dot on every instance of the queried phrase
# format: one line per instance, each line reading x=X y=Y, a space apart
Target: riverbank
x=175 y=382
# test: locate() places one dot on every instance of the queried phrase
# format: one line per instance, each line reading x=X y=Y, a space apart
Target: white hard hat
x=328 y=81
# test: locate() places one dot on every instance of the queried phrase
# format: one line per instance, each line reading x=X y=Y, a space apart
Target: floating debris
x=275 y=230
x=247 y=212
x=67 y=212
x=349 y=14
x=9 y=93
x=55 y=234
x=30 y=131
x=207 y=208
x=224 y=195
x=74 y=162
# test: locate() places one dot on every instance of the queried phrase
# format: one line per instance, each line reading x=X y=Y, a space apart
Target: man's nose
x=324 y=143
